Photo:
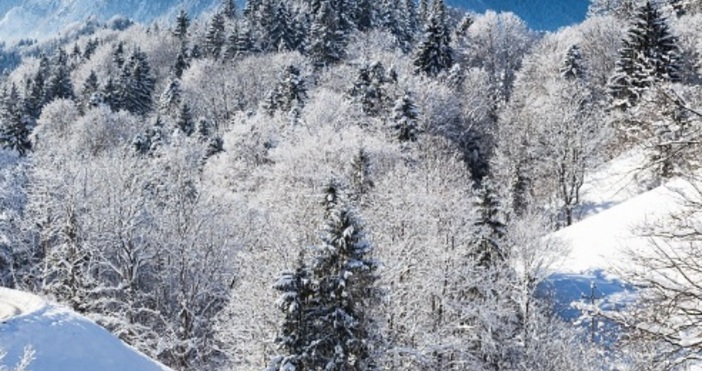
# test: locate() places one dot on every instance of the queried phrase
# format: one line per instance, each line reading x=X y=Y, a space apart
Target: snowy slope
x=62 y=339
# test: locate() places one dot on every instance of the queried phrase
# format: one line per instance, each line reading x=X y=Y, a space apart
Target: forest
x=346 y=184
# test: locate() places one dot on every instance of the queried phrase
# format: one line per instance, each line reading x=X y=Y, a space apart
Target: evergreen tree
x=488 y=245
x=361 y=175
x=289 y=92
x=35 y=97
x=118 y=55
x=327 y=37
x=59 y=84
x=182 y=63
x=148 y=142
x=423 y=11
x=281 y=35
x=573 y=67
x=136 y=84
x=170 y=100
x=110 y=95
x=90 y=48
x=331 y=330
x=369 y=89
x=294 y=336
x=14 y=128
x=229 y=9
x=649 y=53
x=364 y=14
x=434 y=53
x=405 y=115
x=394 y=19
x=215 y=37
x=182 y=25
x=90 y=87
x=185 y=122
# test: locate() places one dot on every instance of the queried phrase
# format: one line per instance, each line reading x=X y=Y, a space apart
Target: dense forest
x=344 y=184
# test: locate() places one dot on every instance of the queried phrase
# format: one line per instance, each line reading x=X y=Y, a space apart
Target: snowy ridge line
x=15 y=303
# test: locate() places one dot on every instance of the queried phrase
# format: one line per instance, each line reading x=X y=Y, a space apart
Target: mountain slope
x=62 y=339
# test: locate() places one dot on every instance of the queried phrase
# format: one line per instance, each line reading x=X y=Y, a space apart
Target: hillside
x=61 y=339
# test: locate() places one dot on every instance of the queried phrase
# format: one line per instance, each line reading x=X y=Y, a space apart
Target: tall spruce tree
x=136 y=85
x=649 y=53
x=488 y=246
x=434 y=53
x=331 y=328
x=185 y=122
x=215 y=36
x=229 y=9
x=405 y=116
x=369 y=89
x=59 y=84
x=289 y=92
x=573 y=67
x=14 y=128
x=328 y=38
x=182 y=25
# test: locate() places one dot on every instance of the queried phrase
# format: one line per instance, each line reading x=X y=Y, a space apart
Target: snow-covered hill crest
x=60 y=338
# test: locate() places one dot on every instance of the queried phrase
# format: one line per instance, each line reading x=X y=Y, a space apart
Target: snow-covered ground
x=617 y=205
x=61 y=339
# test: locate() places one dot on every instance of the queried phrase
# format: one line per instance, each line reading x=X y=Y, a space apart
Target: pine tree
x=90 y=48
x=110 y=95
x=434 y=53
x=327 y=37
x=215 y=37
x=649 y=53
x=488 y=245
x=182 y=25
x=170 y=100
x=14 y=128
x=90 y=87
x=289 y=92
x=294 y=336
x=573 y=67
x=59 y=84
x=361 y=175
x=281 y=33
x=369 y=89
x=394 y=19
x=229 y=9
x=118 y=55
x=182 y=63
x=35 y=97
x=405 y=115
x=185 y=122
x=136 y=84
x=331 y=330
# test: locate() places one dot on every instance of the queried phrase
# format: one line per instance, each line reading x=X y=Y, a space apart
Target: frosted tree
x=229 y=9
x=185 y=122
x=171 y=98
x=215 y=37
x=370 y=90
x=338 y=332
x=434 y=53
x=361 y=175
x=182 y=25
x=288 y=93
x=35 y=96
x=14 y=125
x=405 y=118
x=327 y=39
x=573 y=67
x=58 y=83
x=490 y=227
x=136 y=84
x=649 y=54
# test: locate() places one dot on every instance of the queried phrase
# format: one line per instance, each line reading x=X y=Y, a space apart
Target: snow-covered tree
x=405 y=118
x=649 y=54
x=434 y=53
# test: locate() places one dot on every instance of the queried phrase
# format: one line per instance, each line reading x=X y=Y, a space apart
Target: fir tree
x=215 y=37
x=90 y=48
x=182 y=63
x=331 y=330
x=405 y=115
x=488 y=245
x=35 y=97
x=289 y=92
x=327 y=37
x=434 y=53
x=229 y=9
x=14 y=128
x=649 y=53
x=185 y=122
x=170 y=100
x=90 y=87
x=136 y=84
x=59 y=84
x=182 y=25
x=573 y=67
x=281 y=33
x=361 y=174
x=118 y=55
x=369 y=89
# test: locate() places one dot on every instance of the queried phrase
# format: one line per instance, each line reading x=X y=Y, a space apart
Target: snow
x=62 y=339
